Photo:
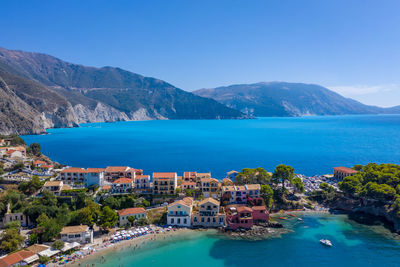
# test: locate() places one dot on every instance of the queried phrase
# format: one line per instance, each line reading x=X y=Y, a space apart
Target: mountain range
x=267 y=99
x=39 y=91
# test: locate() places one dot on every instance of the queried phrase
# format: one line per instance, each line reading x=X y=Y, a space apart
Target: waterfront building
x=14 y=152
x=20 y=258
x=260 y=214
x=201 y=175
x=142 y=184
x=239 y=217
x=189 y=177
x=239 y=194
x=114 y=172
x=188 y=185
x=179 y=212
x=90 y=176
x=122 y=186
x=227 y=181
x=38 y=163
x=209 y=187
x=79 y=233
x=209 y=214
x=164 y=183
x=341 y=172
x=123 y=215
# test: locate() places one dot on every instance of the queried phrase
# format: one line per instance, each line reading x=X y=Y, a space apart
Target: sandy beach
x=101 y=249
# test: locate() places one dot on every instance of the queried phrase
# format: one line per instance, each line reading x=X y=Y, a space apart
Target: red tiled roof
x=106 y=187
x=117 y=168
x=345 y=170
x=259 y=208
x=72 y=170
x=15 y=258
x=241 y=209
x=123 y=180
x=95 y=170
x=188 y=183
x=189 y=174
x=142 y=176
x=130 y=211
x=47 y=166
x=39 y=162
x=164 y=174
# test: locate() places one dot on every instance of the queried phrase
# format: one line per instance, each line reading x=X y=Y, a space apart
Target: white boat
x=326 y=242
x=299 y=219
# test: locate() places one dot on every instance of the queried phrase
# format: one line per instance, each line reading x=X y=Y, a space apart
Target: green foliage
x=253 y=176
x=34 y=149
x=47 y=228
x=88 y=215
x=267 y=194
x=58 y=244
x=33 y=239
x=15 y=140
x=32 y=186
x=11 y=240
x=132 y=220
x=178 y=190
x=44 y=259
x=282 y=174
x=13 y=224
x=378 y=191
x=108 y=218
x=380 y=182
x=124 y=202
x=189 y=192
x=18 y=166
x=326 y=187
x=298 y=185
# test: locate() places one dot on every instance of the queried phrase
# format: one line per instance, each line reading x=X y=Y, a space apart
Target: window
x=179 y=221
x=202 y=219
x=208 y=219
x=195 y=219
x=214 y=220
x=184 y=221
x=172 y=220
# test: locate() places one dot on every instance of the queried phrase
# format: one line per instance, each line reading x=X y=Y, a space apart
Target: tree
x=189 y=192
x=267 y=194
x=32 y=186
x=253 y=176
x=11 y=240
x=34 y=149
x=298 y=185
x=58 y=244
x=44 y=259
x=108 y=218
x=48 y=228
x=282 y=174
x=350 y=184
x=177 y=190
x=132 y=220
x=18 y=166
x=89 y=215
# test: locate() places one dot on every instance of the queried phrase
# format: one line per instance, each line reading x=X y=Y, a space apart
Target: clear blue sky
x=350 y=46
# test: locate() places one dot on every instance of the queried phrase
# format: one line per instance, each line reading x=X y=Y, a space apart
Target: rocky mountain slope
x=288 y=99
x=48 y=92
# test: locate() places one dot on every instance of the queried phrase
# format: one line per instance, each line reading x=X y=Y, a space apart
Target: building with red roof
x=138 y=213
x=122 y=185
x=164 y=183
x=341 y=172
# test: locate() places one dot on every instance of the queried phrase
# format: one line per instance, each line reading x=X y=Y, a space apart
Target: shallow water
x=353 y=245
x=312 y=145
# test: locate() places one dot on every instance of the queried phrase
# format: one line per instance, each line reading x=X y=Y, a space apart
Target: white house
x=179 y=212
x=124 y=214
x=122 y=185
x=79 y=233
x=89 y=176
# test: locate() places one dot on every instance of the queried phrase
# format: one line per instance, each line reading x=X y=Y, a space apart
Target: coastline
x=101 y=250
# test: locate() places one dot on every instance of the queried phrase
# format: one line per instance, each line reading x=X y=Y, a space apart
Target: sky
x=351 y=47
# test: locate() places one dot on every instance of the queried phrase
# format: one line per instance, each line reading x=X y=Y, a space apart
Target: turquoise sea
x=312 y=145
x=353 y=245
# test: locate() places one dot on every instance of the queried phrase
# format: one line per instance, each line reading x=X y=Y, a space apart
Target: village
x=161 y=202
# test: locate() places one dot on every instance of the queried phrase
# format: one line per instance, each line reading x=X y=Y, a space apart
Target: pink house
x=260 y=214
x=239 y=217
x=245 y=217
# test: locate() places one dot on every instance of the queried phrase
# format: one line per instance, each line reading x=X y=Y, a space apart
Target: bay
x=353 y=245
x=312 y=145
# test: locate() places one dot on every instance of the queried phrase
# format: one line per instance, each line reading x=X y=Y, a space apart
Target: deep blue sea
x=353 y=245
x=312 y=145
